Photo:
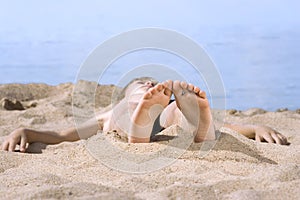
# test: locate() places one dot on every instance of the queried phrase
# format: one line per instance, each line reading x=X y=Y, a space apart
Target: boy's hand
x=264 y=133
x=18 y=136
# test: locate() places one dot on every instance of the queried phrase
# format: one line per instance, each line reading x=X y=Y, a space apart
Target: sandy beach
x=234 y=168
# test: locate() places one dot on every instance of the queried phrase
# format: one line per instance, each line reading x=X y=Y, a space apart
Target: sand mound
x=26 y=92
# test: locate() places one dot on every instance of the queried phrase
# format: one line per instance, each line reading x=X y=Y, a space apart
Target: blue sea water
x=258 y=58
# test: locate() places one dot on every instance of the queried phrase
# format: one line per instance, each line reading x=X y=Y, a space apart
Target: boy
x=144 y=101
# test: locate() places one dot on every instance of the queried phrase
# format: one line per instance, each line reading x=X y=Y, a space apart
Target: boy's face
x=137 y=89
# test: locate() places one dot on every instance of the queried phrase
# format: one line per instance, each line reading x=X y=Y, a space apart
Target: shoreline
x=14 y=91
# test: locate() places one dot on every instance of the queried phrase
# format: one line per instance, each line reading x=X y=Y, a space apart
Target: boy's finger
x=257 y=138
x=276 y=138
x=4 y=146
x=282 y=138
x=23 y=144
x=268 y=138
x=12 y=146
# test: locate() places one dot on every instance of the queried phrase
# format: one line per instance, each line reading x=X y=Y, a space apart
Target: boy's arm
x=259 y=133
x=22 y=136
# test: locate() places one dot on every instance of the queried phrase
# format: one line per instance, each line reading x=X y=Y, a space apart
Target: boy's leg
x=148 y=109
x=171 y=115
x=195 y=107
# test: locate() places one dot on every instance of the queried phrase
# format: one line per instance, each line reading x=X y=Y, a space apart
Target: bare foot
x=150 y=106
x=195 y=107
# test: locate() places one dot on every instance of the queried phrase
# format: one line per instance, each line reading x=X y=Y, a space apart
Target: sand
x=233 y=168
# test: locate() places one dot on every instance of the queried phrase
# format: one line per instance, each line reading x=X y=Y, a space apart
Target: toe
x=196 y=90
x=176 y=87
x=168 y=84
x=168 y=92
x=183 y=84
x=159 y=87
x=156 y=89
x=148 y=95
x=190 y=87
x=168 y=87
x=202 y=94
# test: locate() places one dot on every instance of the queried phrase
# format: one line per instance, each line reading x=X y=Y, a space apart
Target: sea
x=254 y=65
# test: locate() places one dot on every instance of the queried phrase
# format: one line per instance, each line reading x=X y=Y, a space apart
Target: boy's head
x=137 y=85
